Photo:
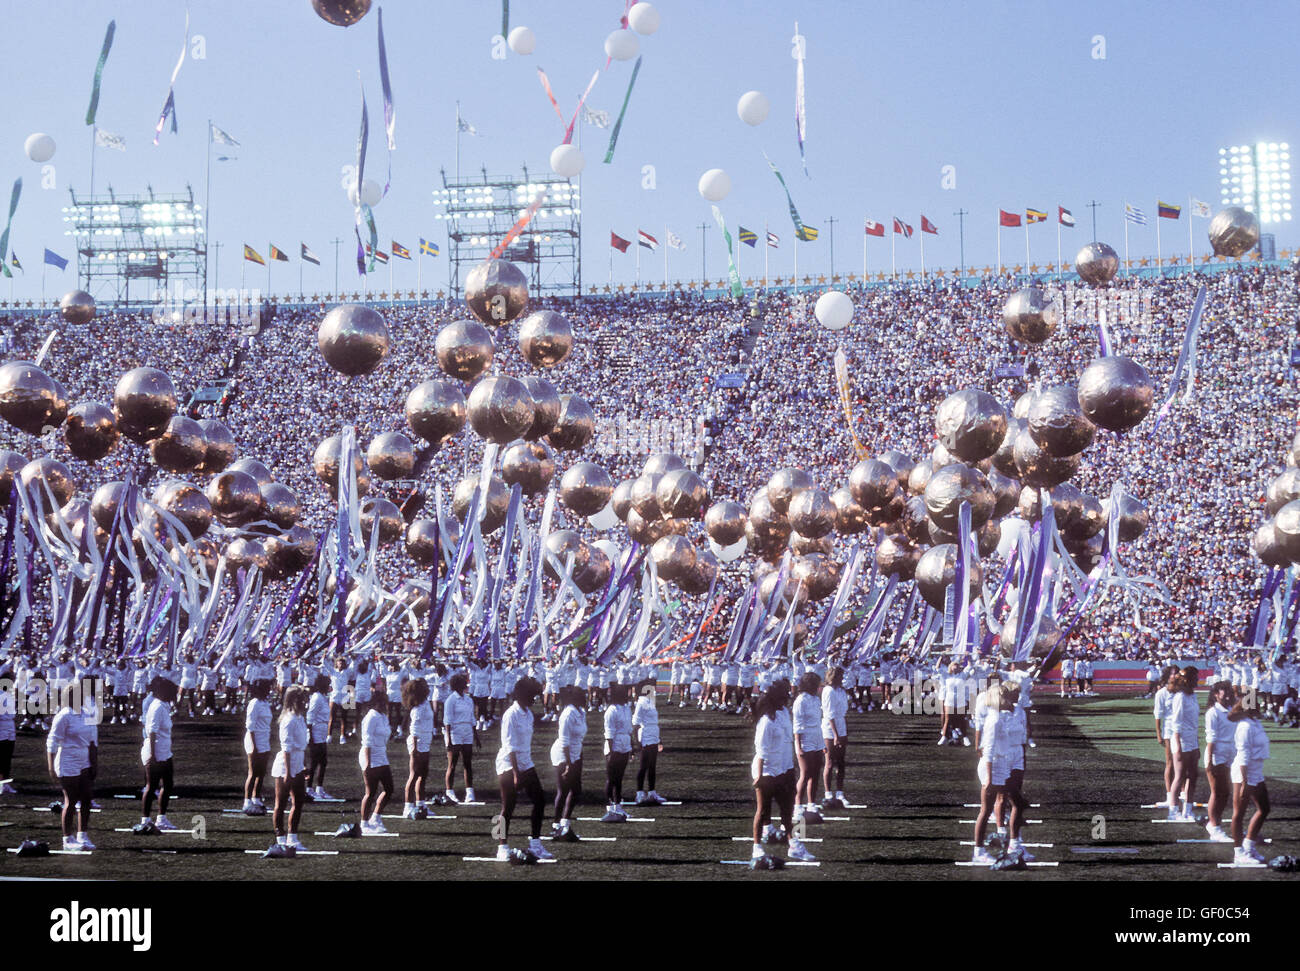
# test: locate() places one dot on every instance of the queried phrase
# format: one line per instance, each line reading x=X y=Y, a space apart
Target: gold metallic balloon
x=280 y=505
x=681 y=494
x=939 y=536
x=496 y=292
x=77 y=307
x=1048 y=635
x=988 y=537
x=1057 y=422
x=914 y=521
x=1067 y=506
x=1133 y=517
x=576 y=425
x=104 y=503
x=290 y=552
x=380 y=512
x=90 y=431
x=1004 y=459
x=435 y=410
x=900 y=463
x=645 y=531
x=495 y=508
x=11 y=464
x=811 y=513
x=896 y=555
x=75 y=515
x=919 y=477
x=51 y=473
x=802 y=545
x=1268 y=547
x=1038 y=468
x=560 y=544
x=700 y=577
x=1006 y=492
x=246 y=553
x=1115 y=392
x=185 y=502
x=644 y=496
x=29 y=398
x=819 y=574
x=936 y=571
x=530 y=464
x=353 y=339
x=546 y=407
x=784 y=484
x=545 y=338
x=1021 y=408
x=1031 y=315
x=622 y=498
x=725 y=522
x=204 y=553
x=586 y=488
x=850 y=517
x=673 y=556
x=391 y=456
x=874 y=485
x=260 y=473
x=1284 y=488
x=1234 y=232
x=181 y=448
x=767 y=539
x=500 y=409
x=793 y=597
x=1029 y=505
x=143 y=403
x=219 y=445
x=235 y=498
x=341 y=13
x=1096 y=264
x=325 y=462
x=594 y=576
x=464 y=349
x=950 y=487
x=1091 y=520
x=661 y=463
x=421 y=541
x=970 y=424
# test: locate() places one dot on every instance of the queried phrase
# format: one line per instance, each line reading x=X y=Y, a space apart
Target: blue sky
x=1008 y=93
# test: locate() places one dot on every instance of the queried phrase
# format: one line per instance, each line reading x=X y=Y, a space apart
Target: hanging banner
x=169 y=105
x=800 y=113
x=618 y=125
x=4 y=237
x=1186 y=356
x=99 y=72
x=734 y=275
x=842 y=383
x=799 y=231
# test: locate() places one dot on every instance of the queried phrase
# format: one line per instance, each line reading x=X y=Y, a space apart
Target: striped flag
x=747 y=236
x=378 y=255
x=427 y=248
x=1135 y=215
x=1035 y=216
x=929 y=227
x=252 y=255
x=773 y=240
x=1165 y=211
x=308 y=256
x=1065 y=216
x=278 y=254
x=645 y=239
x=902 y=229
x=401 y=251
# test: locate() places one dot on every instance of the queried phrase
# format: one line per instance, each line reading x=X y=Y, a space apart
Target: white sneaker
x=1217 y=834
x=942 y=741
x=292 y=840
x=503 y=853
x=981 y=856
x=1241 y=858
x=1019 y=848
x=377 y=825
x=800 y=852
x=8 y=790
x=322 y=794
x=83 y=841
x=1251 y=851
x=70 y=843
x=469 y=796
x=1173 y=816
x=536 y=848
x=450 y=794
x=165 y=824
x=965 y=740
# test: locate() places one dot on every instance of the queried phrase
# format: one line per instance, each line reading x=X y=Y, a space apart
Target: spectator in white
x=1219 y=751
x=1184 y=745
x=341 y=698
x=318 y=727
x=774 y=776
x=809 y=746
x=566 y=757
x=835 y=730
x=419 y=741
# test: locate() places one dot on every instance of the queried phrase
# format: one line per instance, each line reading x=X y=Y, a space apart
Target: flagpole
x=207 y=212
x=1159 y=256
x=767 y=253
x=457 y=141
x=1058 y=242
x=795 y=246
x=999 y=242
x=300 y=293
x=392 y=257
x=1026 y=244
x=419 y=274
x=923 y=252
x=1128 y=270
x=893 y=261
x=243 y=265
x=638 y=256
x=666 y=249
x=269 y=261
x=864 y=250
x=1191 y=252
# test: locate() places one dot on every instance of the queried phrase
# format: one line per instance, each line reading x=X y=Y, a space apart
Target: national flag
x=929 y=227
x=902 y=228
x=54 y=259
x=645 y=239
x=13 y=258
x=618 y=242
x=1165 y=211
x=773 y=240
x=278 y=254
x=1034 y=216
x=401 y=251
x=308 y=256
x=593 y=116
x=220 y=137
x=378 y=255
x=252 y=256
x=106 y=139
x=1008 y=218
x=806 y=233
x=463 y=125
x=747 y=236
x=1135 y=215
x=874 y=228
x=427 y=248
x=1200 y=208
x=1065 y=216
x=675 y=241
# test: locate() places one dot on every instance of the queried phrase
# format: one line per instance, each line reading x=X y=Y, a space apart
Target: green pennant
x=800 y=232
x=732 y=273
x=613 y=135
x=99 y=72
x=4 y=237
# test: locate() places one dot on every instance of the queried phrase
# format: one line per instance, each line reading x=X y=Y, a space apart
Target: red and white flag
x=646 y=240
x=902 y=228
x=929 y=227
x=874 y=228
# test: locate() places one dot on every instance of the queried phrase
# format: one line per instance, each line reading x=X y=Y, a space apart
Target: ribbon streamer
x=733 y=275
x=169 y=106
x=546 y=86
x=99 y=73
x=618 y=125
x=1185 y=355
x=842 y=384
x=799 y=231
x=568 y=132
x=800 y=111
x=4 y=237
x=518 y=227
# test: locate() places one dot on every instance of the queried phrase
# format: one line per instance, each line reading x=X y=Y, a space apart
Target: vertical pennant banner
x=99 y=72
x=799 y=231
x=618 y=125
x=734 y=275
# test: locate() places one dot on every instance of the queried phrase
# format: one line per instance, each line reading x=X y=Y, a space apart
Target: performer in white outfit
x=289 y=769
x=1251 y=749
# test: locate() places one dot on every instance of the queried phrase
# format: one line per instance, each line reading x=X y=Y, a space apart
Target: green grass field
x=1095 y=757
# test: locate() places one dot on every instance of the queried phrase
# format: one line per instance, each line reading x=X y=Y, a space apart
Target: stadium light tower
x=1257 y=178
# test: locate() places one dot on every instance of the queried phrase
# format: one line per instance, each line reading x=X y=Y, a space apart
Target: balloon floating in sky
x=39 y=147
x=1234 y=232
x=567 y=161
x=372 y=193
x=753 y=107
x=715 y=185
x=622 y=45
x=341 y=13
x=522 y=40
x=643 y=18
x=834 y=310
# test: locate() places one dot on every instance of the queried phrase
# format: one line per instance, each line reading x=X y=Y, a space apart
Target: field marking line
x=297 y=853
x=1032 y=846
x=363 y=835
x=786 y=862
x=629 y=819
x=493 y=859
x=590 y=839
x=985 y=865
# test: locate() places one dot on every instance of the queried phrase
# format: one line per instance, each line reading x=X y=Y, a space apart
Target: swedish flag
x=427 y=248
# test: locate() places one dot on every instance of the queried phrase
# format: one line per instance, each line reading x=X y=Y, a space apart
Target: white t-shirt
x=257 y=721
x=421 y=737
x=646 y=718
x=458 y=719
x=516 y=739
x=808 y=722
x=618 y=728
x=70 y=738
x=318 y=717
x=570 y=731
x=293 y=743
x=773 y=745
x=157 y=721
x=835 y=705
x=374 y=737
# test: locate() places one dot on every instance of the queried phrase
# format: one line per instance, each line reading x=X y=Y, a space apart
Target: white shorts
x=1249 y=775
x=993 y=773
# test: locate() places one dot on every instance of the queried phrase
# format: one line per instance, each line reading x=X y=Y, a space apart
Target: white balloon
x=372 y=193
x=39 y=147
x=567 y=161
x=643 y=18
x=622 y=45
x=753 y=107
x=605 y=519
x=522 y=40
x=715 y=184
x=728 y=553
x=834 y=310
